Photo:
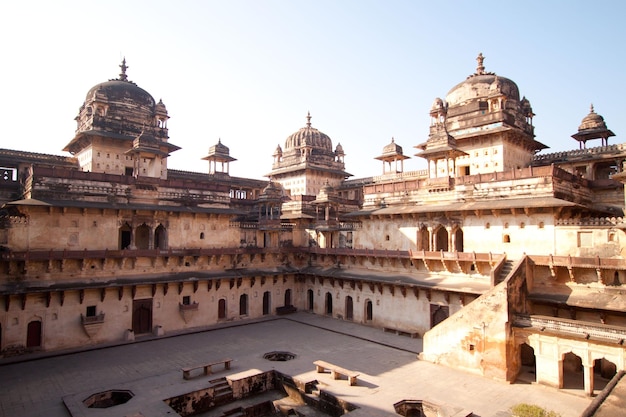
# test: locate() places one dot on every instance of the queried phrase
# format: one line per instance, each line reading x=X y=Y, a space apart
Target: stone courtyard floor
x=42 y=384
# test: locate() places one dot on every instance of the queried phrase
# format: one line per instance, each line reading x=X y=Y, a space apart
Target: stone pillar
x=549 y=371
x=588 y=378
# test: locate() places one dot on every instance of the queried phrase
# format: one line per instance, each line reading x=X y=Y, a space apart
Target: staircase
x=507 y=267
x=222 y=393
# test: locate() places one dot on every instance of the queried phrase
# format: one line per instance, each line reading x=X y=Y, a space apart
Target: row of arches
x=572 y=373
x=440 y=238
x=142 y=237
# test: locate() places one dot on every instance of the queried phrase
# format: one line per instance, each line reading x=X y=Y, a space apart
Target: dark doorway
x=310 y=304
x=573 y=374
x=369 y=314
x=438 y=314
x=160 y=238
x=125 y=236
x=288 y=298
x=142 y=237
x=142 y=316
x=243 y=304
x=329 y=304
x=221 y=309
x=33 y=334
x=441 y=239
x=349 y=308
x=267 y=305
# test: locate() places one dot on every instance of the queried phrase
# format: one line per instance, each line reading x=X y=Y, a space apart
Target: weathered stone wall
x=475 y=338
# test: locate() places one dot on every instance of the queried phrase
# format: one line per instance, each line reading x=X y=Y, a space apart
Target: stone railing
x=571 y=327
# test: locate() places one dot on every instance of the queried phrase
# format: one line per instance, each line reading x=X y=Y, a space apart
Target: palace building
x=503 y=258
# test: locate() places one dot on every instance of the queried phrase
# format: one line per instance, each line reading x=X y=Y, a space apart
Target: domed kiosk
x=122 y=130
x=308 y=161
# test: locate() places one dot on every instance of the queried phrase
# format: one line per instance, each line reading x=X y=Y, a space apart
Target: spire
x=591 y=110
x=480 y=68
x=124 y=67
x=308 y=119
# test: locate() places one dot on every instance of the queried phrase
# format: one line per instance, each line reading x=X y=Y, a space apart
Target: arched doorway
x=142 y=237
x=160 y=238
x=329 y=304
x=349 y=307
x=573 y=373
x=33 y=334
x=603 y=371
x=288 y=298
x=528 y=369
x=142 y=316
x=438 y=314
x=221 y=308
x=369 y=310
x=267 y=304
x=458 y=240
x=423 y=239
x=310 y=299
x=125 y=236
x=441 y=239
x=243 y=304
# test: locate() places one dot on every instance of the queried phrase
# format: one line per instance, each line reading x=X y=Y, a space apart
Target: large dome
x=120 y=90
x=310 y=137
x=482 y=84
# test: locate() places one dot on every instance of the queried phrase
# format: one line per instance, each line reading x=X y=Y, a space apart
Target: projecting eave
x=117 y=206
x=519 y=203
x=431 y=281
x=307 y=167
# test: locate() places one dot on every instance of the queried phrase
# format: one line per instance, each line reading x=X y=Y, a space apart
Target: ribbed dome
x=592 y=121
x=479 y=86
x=118 y=90
x=310 y=137
x=482 y=84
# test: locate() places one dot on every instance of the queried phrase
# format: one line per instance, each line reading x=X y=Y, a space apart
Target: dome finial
x=480 y=68
x=124 y=67
x=308 y=119
x=591 y=110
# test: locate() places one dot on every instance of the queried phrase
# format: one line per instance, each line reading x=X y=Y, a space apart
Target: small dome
x=309 y=136
x=437 y=105
x=392 y=149
x=160 y=108
x=339 y=150
x=592 y=121
x=278 y=151
x=272 y=191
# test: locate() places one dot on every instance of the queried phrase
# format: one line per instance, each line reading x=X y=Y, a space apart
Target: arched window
x=441 y=239
x=243 y=304
x=142 y=237
x=160 y=238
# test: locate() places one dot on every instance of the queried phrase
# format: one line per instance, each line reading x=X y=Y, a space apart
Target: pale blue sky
x=248 y=71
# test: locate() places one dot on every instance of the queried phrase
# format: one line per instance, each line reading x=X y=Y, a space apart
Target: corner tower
x=122 y=130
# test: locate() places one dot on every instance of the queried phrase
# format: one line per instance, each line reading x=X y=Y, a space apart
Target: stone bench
x=412 y=335
x=206 y=366
x=336 y=371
